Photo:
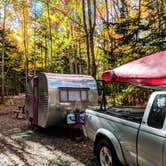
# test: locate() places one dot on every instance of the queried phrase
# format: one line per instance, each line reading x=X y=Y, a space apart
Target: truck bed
x=132 y=113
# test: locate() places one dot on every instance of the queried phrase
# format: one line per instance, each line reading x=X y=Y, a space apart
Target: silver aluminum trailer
x=59 y=99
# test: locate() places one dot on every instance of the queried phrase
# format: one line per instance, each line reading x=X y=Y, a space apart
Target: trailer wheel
x=106 y=155
x=30 y=122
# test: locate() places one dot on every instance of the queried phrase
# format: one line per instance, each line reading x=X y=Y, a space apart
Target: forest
x=77 y=37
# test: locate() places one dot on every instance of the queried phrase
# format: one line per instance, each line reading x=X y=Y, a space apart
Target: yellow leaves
x=144 y=11
x=116 y=35
x=123 y=49
x=8 y=13
x=133 y=14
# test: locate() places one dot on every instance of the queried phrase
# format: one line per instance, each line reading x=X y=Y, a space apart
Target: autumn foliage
x=76 y=36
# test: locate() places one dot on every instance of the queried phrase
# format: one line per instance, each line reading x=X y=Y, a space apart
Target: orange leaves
x=61 y=8
x=56 y=10
x=56 y=24
x=65 y=2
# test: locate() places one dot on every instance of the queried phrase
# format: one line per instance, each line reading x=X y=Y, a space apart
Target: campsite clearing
x=42 y=147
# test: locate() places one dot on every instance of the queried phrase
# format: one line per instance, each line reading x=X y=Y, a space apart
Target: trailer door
x=35 y=100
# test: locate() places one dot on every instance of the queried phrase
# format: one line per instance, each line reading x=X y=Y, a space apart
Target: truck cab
x=151 y=142
x=120 y=138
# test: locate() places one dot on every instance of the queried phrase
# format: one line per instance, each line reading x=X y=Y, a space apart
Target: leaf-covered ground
x=42 y=147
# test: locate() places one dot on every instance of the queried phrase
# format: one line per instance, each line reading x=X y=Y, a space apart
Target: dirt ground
x=20 y=146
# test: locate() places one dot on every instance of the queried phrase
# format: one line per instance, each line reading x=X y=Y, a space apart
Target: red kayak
x=149 y=70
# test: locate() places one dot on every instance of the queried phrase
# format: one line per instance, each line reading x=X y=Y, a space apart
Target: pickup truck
x=133 y=136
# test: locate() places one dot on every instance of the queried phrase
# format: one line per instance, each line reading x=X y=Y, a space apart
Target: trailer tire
x=105 y=153
x=30 y=123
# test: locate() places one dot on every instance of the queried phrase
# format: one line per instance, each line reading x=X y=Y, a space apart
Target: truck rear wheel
x=106 y=154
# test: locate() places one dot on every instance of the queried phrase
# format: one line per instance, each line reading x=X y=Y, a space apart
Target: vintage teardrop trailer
x=59 y=99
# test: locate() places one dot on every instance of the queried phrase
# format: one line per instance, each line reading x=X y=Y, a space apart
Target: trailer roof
x=149 y=70
x=70 y=80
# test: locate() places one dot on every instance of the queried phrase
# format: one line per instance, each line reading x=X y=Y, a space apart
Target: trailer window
x=158 y=112
x=73 y=95
x=63 y=95
x=84 y=95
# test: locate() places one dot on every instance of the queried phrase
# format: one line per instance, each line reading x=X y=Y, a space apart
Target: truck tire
x=105 y=153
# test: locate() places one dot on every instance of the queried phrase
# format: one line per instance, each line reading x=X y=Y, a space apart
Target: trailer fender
x=103 y=133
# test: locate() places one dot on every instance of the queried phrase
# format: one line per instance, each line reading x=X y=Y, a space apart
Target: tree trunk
x=80 y=56
x=91 y=35
x=41 y=55
x=3 y=54
x=25 y=31
x=93 y=62
x=34 y=51
x=50 y=32
x=139 y=18
x=45 y=56
x=107 y=13
x=76 y=59
x=86 y=37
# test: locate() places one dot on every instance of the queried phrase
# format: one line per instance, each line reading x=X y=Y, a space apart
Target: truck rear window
x=158 y=112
